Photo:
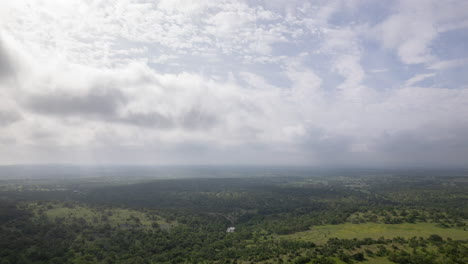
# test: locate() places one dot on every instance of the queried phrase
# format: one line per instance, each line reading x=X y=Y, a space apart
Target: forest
x=404 y=217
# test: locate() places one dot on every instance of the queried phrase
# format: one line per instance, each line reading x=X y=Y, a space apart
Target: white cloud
x=414 y=26
x=237 y=82
x=378 y=70
x=447 y=64
x=418 y=78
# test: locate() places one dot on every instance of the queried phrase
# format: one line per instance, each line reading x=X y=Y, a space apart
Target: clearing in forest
x=116 y=217
x=321 y=234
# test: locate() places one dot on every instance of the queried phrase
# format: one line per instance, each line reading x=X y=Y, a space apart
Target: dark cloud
x=191 y=120
x=198 y=119
x=326 y=145
x=6 y=64
x=97 y=102
x=104 y=105
x=153 y=119
x=425 y=147
x=8 y=117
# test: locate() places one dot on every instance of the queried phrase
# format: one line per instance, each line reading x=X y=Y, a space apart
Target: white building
x=231 y=229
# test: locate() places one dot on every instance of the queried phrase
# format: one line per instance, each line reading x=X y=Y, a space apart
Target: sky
x=312 y=83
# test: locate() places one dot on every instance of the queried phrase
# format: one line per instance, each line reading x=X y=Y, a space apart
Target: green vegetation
x=404 y=218
x=115 y=217
x=321 y=234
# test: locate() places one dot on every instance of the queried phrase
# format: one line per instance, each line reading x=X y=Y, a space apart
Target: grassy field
x=320 y=234
x=377 y=260
x=117 y=217
x=369 y=260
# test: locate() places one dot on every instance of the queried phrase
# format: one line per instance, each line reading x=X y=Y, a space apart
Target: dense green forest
x=359 y=218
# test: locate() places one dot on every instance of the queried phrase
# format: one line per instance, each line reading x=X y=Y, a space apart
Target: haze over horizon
x=310 y=83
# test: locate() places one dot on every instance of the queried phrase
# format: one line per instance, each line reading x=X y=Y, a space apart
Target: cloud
x=233 y=82
x=195 y=118
x=7 y=68
x=153 y=119
x=378 y=70
x=326 y=146
x=191 y=120
x=8 y=117
x=416 y=24
x=97 y=102
x=447 y=64
x=418 y=78
x=437 y=146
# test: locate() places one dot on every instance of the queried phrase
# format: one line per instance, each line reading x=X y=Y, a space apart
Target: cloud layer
x=319 y=83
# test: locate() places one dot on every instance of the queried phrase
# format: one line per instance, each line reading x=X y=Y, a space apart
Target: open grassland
x=377 y=260
x=320 y=234
x=369 y=260
x=116 y=217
